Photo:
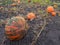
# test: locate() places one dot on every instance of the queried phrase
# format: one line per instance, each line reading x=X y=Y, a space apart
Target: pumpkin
x=1 y=7
x=31 y=16
x=55 y=5
x=13 y=4
x=53 y=13
x=29 y=0
x=50 y=9
x=18 y=1
x=14 y=0
x=16 y=28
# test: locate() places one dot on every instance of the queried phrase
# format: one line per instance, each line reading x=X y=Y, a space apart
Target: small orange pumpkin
x=29 y=0
x=50 y=9
x=18 y=1
x=53 y=13
x=31 y=16
x=1 y=7
x=14 y=4
x=15 y=28
x=14 y=0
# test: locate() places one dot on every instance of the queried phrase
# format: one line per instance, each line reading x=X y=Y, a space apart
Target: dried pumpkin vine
x=38 y=34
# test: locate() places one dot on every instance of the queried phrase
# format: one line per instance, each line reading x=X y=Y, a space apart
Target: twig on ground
x=38 y=35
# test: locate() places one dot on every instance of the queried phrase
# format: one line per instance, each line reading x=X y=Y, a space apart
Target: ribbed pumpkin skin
x=31 y=16
x=50 y=9
x=15 y=28
x=53 y=13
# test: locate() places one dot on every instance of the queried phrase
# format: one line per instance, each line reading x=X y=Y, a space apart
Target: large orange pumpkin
x=31 y=16
x=16 y=28
x=50 y=9
x=53 y=13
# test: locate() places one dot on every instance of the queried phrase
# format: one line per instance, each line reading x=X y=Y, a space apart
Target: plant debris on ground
x=44 y=29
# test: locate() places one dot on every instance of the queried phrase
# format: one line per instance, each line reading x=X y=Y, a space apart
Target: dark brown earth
x=50 y=34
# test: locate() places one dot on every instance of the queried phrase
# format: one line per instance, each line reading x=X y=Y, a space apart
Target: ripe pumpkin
x=29 y=0
x=53 y=13
x=18 y=1
x=50 y=9
x=14 y=0
x=1 y=7
x=31 y=16
x=13 y=4
x=15 y=28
